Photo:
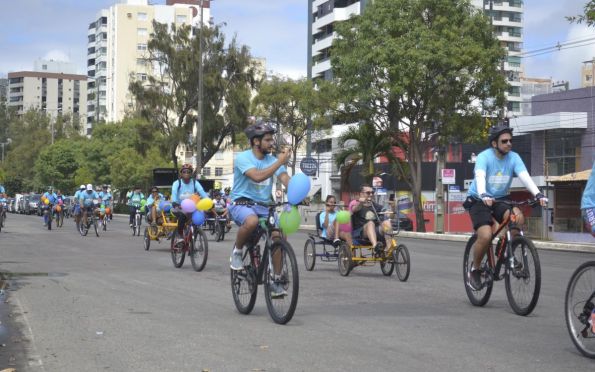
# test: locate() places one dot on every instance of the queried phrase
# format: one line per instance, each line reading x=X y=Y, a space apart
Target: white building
x=117 y=46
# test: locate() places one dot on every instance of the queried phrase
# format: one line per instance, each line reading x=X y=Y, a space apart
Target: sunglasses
x=186 y=171
x=505 y=141
x=368 y=192
x=154 y=190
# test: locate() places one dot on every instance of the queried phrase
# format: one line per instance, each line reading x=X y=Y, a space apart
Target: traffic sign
x=309 y=166
x=454 y=188
x=448 y=177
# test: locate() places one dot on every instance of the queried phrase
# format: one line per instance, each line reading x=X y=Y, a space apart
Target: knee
x=250 y=223
x=484 y=234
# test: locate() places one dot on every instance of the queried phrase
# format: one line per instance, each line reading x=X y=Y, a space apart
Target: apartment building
x=531 y=87
x=3 y=89
x=117 y=48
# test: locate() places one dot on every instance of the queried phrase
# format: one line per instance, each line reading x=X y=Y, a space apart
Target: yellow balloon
x=204 y=204
x=45 y=201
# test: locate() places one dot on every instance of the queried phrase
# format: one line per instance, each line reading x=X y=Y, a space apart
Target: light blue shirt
x=2 y=191
x=588 y=199
x=134 y=198
x=331 y=220
x=106 y=198
x=151 y=200
x=53 y=198
x=499 y=172
x=87 y=198
x=244 y=186
x=181 y=190
x=77 y=194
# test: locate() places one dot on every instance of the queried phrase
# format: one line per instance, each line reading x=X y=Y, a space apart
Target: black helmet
x=496 y=131
x=259 y=129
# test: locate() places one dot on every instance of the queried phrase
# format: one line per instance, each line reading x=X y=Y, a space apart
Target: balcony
x=321 y=67
x=322 y=44
x=338 y=14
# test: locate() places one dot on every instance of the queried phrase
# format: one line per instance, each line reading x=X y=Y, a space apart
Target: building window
x=206 y=171
x=562 y=150
x=141 y=32
x=218 y=172
x=141 y=77
x=141 y=16
x=141 y=47
x=141 y=62
x=180 y=19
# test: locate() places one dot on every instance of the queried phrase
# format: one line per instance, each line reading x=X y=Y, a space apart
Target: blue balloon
x=166 y=207
x=198 y=217
x=298 y=188
x=161 y=205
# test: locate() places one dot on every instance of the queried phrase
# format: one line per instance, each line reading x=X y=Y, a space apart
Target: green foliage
x=129 y=168
x=588 y=15
x=170 y=99
x=57 y=164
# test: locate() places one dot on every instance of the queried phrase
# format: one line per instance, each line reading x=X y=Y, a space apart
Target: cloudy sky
x=273 y=29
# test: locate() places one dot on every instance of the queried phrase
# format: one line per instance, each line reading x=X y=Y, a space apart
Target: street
x=88 y=304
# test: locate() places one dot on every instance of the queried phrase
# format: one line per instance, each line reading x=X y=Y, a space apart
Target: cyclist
x=76 y=205
x=329 y=224
x=220 y=207
x=106 y=199
x=253 y=172
x=87 y=199
x=494 y=170
x=367 y=223
x=184 y=188
x=134 y=200
x=588 y=203
x=153 y=203
x=3 y=201
x=51 y=196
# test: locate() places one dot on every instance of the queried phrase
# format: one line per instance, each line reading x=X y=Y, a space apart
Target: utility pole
x=200 y=118
x=439 y=203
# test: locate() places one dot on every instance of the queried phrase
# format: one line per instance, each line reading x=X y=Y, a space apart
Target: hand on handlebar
x=542 y=199
x=487 y=199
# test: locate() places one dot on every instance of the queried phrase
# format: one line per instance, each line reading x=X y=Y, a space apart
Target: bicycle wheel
x=138 y=221
x=310 y=254
x=402 y=262
x=104 y=222
x=282 y=308
x=84 y=227
x=199 y=250
x=95 y=227
x=481 y=297
x=177 y=251
x=344 y=259
x=49 y=220
x=387 y=266
x=523 y=282
x=244 y=284
x=221 y=231
x=579 y=304
x=146 y=239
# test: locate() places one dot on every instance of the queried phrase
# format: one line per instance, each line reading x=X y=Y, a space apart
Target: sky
x=273 y=29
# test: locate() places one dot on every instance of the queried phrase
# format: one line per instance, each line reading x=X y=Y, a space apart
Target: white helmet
x=82 y=187
x=89 y=187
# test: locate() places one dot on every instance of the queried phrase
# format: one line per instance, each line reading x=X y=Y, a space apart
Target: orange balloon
x=107 y=210
x=195 y=198
x=58 y=209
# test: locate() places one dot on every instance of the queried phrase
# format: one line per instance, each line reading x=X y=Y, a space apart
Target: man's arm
x=259 y=175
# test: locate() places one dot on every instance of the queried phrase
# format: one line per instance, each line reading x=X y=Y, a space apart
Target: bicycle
x=258 y=269
x=521 y=265
x=48 y=215
x=579 y=305
x=137 y=221
x=91 y=221
x=59 y=216
x=2 y=215
x=219 y=227
x=103 y=219
x=195 y=244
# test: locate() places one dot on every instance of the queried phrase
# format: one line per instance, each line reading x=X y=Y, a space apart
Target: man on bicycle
x=51 y=196
x=494 y=170
x=134 y=199
x=184 y=188
x=2 y=201
x=106 y=199
x=87 y=201
x=253 y=171
x=76 y=204
x=366 y=222
x=153 y=203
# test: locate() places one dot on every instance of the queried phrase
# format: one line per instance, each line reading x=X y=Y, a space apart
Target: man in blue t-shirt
x=184 y=188
x=588 y=202
x=106 y=199
x=88 y=201
x=494 y=170
x=252 y=183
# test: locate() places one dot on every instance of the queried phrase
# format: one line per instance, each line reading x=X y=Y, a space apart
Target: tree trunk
x=415 y=165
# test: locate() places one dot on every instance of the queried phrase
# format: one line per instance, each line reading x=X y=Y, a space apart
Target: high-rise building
x=322 y=17
x=532 y=87
x=117 y=50
x=507 y=19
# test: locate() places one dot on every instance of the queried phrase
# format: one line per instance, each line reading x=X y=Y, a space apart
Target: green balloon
x=142 y=209
x=290 y=221
x=143 y=202
x=343 y=217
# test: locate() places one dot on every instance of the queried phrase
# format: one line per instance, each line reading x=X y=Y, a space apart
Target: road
x=93 y=304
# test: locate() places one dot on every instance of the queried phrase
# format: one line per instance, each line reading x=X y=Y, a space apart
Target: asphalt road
x=93 y=304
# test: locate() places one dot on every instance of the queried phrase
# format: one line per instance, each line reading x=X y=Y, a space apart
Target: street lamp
x=200 y=118
x=8 y=142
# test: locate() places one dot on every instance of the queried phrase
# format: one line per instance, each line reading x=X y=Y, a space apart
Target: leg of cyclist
x=481 y=218
x=369 y=232
x=154 y=215
x=132 y=213
x=247 y=218
x=182 y=218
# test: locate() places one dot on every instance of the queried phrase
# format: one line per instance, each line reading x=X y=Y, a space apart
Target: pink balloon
x=188 y=206
x=345 y=227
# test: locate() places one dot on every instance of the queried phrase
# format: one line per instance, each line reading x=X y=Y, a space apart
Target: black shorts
x=482 y=215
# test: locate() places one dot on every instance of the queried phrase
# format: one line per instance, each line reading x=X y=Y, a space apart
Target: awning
x=571 y=177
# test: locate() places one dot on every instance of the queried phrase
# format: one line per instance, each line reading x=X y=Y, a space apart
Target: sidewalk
x=556 y=246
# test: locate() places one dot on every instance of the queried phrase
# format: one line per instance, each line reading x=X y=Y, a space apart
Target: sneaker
x=179 y=242
x=378 y=248
x=235 y=260
x=130 y=225
x=475 y=279
x=277 y=290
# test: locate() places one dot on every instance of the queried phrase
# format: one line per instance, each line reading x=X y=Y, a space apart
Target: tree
x=57 y=164
x=291 y=104
x=170 y=98
x=416 y=67
x=588 y=16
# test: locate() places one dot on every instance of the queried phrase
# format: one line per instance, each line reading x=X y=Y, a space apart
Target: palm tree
x=368 y=144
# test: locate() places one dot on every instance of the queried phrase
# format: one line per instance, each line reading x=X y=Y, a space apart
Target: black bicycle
x=137 y=221
x=259 y=268
x=518 y=256
x=91 y=221
x=579 y=308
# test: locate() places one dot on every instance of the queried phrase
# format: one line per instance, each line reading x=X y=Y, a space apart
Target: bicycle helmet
x=496 y=131
x=89 y=187
x=259 y=129
x=186 y=166
x=82 y=187
x=154 y=189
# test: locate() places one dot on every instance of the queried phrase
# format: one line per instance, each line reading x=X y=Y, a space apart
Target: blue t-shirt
x=87 y=198
x=331 y=220
x=134 y=198
x=181 y=190
x=243 y=186
x=105 y=197
x=588 y=199
x=2 y=191
x=53 y=198
x=499 y=172
x=151 y=200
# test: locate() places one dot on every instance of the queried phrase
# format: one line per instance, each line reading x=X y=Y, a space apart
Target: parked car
x=32 y=204
x=67 y=205
x=11 y=205
x=402 y=223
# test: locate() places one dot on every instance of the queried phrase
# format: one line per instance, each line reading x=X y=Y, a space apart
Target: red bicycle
x=194 y=243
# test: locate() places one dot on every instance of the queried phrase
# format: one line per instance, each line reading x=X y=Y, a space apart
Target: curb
x=554 y=246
